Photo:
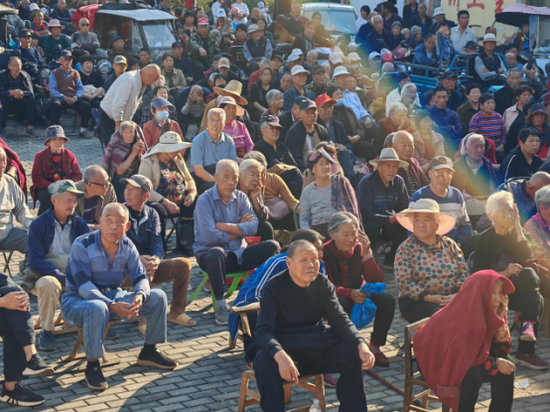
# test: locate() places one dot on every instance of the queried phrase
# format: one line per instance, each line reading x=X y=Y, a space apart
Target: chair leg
x=7 y=260
x=199 y=288
x=242 y=394
x=288 y=393
x=235 y=284
x=320 y=384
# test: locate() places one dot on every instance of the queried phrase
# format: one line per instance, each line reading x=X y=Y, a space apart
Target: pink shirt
x=239 y=134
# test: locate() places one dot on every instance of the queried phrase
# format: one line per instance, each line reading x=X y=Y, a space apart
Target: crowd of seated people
x=249 y=128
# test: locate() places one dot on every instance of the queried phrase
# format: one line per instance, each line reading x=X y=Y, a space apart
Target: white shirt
x=360 y=21
x=459 y=41
x=122 y=99
x=395 y=97
x=243 y=8
x=12 y=204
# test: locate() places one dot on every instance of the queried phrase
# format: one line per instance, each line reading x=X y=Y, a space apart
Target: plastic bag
x=362 y=314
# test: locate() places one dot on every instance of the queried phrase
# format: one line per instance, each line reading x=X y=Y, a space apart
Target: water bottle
x=315 y=407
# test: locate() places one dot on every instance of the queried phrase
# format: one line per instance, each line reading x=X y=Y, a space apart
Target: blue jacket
x=41 y=233
x=447 y=123
x=421 y=56
x=145 y=234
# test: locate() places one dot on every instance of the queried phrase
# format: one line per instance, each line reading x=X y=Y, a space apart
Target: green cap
x=62 y=186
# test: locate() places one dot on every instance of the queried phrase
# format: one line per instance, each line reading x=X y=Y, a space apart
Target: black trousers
x=413 y=310
x=24 y=108
x=107 y=127
x=366 y=150
x=82 y=107
x=265 y=231
x=294 y=180
x=185 y=120
x=43 y=195
x=527 y=300
x=502 y=390
x=339 y=358
x=216 y=262
x=17 y=331
x=386 y=232
x=385 y=311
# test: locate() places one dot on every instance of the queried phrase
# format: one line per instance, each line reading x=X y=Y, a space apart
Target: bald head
x=116 y=210
x=149 y=74
x=92 y=172
x=537 y=181
x=403 y=144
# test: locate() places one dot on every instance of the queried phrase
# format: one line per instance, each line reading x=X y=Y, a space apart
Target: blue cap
x=161 y=102
x=299 y=100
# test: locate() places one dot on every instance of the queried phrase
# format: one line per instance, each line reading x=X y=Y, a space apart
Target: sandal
x=183 y=319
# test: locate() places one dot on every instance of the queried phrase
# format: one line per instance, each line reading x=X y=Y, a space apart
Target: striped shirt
x=490 y=127
x=91 y=273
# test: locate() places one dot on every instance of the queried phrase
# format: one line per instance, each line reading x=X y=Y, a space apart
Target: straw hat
x=234 y=89
x=446 y=222
x=169 y=142
x=489 y=37
x=223 y=100
x=389 y=155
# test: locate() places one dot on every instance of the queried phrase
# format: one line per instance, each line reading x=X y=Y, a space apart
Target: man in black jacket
x=440 y=18
x=293 y=340
x=290 y=117
x=16 y=94
x=304 y=41
x=379 y=38
x=302 y=138
x=505 y=97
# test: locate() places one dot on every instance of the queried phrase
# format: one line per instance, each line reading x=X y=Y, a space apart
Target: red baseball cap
x=324 y=99
x=203 y=21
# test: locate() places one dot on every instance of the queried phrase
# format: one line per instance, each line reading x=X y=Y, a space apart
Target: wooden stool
x=236 y=276
x=248 y=397
x=242 y=312
x=59 y=321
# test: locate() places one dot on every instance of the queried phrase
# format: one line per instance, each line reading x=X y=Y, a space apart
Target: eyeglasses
x=84 y=25
x=103 y=185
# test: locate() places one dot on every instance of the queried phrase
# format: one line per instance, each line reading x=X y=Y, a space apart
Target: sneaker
x=31 y=133
x=85 y=134
x=379 y=358
x=21 y=396
x=94 y=377
x=222 y=316
x=156 y=359
x=112 y=334
x=207 y=287
x=46 y=341
x=528 y=333
x=330 y=381
x=531 y=361
x=37 y=367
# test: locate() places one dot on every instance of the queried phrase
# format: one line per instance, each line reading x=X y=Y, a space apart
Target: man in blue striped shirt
x=98 y=263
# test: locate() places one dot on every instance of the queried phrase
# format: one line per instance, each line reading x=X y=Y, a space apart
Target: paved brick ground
x=208 y=378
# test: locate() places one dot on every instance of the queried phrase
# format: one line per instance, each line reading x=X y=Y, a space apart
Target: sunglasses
x=104 y=185
x=84 y=24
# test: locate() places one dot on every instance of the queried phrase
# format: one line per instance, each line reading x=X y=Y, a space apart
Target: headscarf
x=459 y=336
x=117 y=149
x=14 y=161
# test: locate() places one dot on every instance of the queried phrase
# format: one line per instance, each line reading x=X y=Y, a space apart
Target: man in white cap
x=299 y=80
x=223 y=24
x=440 y=18
x=216 y=7
x=351 y=100
x=489 y=67
x=256 y=47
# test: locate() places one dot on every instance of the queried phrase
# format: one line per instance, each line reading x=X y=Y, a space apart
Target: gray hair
x=312 y=53
x=271 y=95
x=226 y=163
x=249 y=163
x=406 y=86
x=265 y=62
x=216 y=33
x=514 y=70
x=341 y=218
x=82 y=20
x=415 y=30
x=118 y=207
x=388 y=67
x=542 y=198
x=377 y=17
x=127 y=124
x=497 y=200
x=397 y=107
x=258 y=156
x=216 y=111
x=472 y=137
x=91 y=172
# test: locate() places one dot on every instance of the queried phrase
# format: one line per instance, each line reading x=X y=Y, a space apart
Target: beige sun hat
x=223 y=100
x=489 y=37
x=169 y=142
x=234 y=89
x=446 y=222
x=389 y=155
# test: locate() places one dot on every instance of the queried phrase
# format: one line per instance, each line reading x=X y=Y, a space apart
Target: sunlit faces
x=388 y=171
x=304 y=265
x=425 y=226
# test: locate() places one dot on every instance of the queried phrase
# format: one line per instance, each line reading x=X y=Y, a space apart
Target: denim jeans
x=93 y=316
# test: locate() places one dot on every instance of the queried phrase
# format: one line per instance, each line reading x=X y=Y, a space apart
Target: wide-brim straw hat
x=446 y=221
x=389 y=155
x=223 y=100
x=169 y=142
x=234 y=89
x=489 y=37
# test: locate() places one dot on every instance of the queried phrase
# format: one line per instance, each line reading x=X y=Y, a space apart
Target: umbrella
x=518 y=14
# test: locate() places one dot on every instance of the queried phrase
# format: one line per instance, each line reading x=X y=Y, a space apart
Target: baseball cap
x=298 y=100
x=224 y=62
x=25 y=33
x=66 y=53
x=438 y=11
x=177 y=44
x=441 y=162
x=253 y=28
x=120 y=60
x=203 y=21
x=271 y=120
x=298 y=69
x=307 y=104
x=140 y=181
x=374 y=55
x=293 y=57
x=340 y=71
x=318 y=69
x=354 y=57
x=336 y=58
x=449 y=74
x=220 y=13
x=62 y=186
x=324 y=99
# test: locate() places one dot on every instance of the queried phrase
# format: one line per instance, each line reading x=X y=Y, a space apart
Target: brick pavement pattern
x=208 y=375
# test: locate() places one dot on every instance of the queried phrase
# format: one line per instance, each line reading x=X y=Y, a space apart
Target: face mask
x=339 y=102
x=163 y=115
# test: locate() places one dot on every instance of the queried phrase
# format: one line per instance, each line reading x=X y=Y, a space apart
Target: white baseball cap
x=298 y=69
x=336 y=58
x=439 y=11
x=220 y=13
x=340 y=70
x=293 y=57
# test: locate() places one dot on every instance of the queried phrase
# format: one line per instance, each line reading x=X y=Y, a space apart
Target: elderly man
x=55 y=43
x=98 y=193
x=12 y=204
x=446 y=121
x=210 y=147
x=24 y=10
x=299 y=80
x=61 y=13
x=387 y=11
x=448 y=81
x=51 y=236
x=440 y=18
x=293 y=340
x=295 y=22
x=30 y=56
x=449 y=198
x=16 y=94
x=462 y=34
x=203 y=44
x=319 y=84
x=193 y=109
x=490 y=69
x=505 y=96
x=67 y=90
x=20 y=356
x=381 y=195
x=119 y=68
x=144 y=232
x=123 y=98
x=413 y=175
x=256 y=47
x=378 y=38
x=351 y=99
x=223 y=218
x=98 y=264
x=306 y=134
x=524 y=191
x=84 y=38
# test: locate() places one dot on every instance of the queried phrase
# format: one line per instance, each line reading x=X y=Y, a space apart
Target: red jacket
x=152 y=132
x=41 y=167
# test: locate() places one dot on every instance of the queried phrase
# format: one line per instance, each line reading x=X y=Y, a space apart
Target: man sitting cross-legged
x=294 y=341
x=98 y=263
x=51 y=236
x=144 y=232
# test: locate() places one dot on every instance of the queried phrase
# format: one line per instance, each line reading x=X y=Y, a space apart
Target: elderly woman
x=416 y=37
x=274 y=99
x=537 y=227
x=538 y=118
x=396 y=120
x=474 y=175
x=427 y=143
x=233 y=128
x=251 y=183
x=349 y=264
x=523 y=160
x=161 y=122
x=257 y=98
x=409 y=98
x=474 y=329
x=505 y=248
x=429 y=267
x=123 y=155
x=174 y=190
x=329 y=193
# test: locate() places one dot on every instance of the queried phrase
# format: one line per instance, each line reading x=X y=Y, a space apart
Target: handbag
x=185 y=236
